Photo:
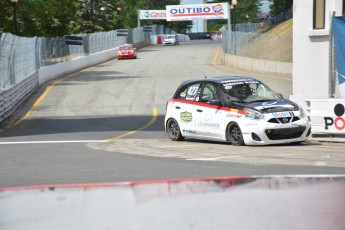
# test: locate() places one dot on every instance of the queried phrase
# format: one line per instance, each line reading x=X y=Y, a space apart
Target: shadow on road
x=61 y=125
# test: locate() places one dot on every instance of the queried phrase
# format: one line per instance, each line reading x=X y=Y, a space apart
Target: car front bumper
x=264 y=133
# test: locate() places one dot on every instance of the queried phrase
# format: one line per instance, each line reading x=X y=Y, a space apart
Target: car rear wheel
x=174 y=130
x=235 y=135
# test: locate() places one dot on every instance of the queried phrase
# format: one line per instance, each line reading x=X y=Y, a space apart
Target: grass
x=271 y=43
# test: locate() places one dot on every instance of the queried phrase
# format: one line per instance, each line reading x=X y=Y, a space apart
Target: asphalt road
x=105 y=124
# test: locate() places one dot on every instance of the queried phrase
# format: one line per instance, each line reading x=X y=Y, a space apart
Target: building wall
x=311 y=51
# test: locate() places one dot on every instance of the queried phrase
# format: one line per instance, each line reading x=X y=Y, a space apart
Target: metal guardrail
x=11 y=99
x=21 y=58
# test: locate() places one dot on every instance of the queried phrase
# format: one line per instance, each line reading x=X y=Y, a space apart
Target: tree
x=246 y=8
x=278 y=6
x=51 y=18
x=96 y=16
x=37 y=17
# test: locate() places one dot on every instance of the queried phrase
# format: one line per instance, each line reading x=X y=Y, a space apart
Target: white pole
x=229 y=18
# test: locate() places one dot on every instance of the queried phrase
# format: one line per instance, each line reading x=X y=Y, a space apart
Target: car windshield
x=125 y=47
x=170 y=37
x=247 y=90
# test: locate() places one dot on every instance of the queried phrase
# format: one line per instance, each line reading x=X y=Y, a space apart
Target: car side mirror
x=215 y=102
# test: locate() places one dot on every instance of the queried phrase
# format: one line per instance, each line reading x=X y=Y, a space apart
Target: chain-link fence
x=245 y=40
x=272 y=47
x=21 y=58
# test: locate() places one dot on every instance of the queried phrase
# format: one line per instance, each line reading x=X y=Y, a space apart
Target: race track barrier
x=270 y=203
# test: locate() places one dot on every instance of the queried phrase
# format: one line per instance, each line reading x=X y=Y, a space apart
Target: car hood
x=272 y=106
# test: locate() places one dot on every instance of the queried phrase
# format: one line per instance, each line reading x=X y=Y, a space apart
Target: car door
x=209 y=117
x=184 y=108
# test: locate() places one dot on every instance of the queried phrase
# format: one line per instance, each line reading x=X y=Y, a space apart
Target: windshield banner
x=197 y=11
x=338 y=24
x=152 y=14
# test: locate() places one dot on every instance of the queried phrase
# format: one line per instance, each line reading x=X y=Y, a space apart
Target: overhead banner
x=197 y=11
x=152 y=14
x=338 y=24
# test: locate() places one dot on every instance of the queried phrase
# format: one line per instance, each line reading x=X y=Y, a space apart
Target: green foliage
x=246 y=11
x=279 y=6
x=52 y=18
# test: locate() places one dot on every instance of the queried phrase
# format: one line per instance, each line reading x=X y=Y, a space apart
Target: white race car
x=239 y=110
x=169 y=40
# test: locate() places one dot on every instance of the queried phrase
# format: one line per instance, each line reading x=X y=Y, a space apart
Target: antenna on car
x=204 y=74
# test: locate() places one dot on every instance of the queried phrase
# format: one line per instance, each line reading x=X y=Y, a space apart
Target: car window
x=209 y=93
x=190 y=93
x=248 y=90
x=125 y=47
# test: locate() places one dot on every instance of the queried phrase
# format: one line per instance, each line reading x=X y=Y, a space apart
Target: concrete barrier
x=60 y=69
x=271 y=203
x=257 y=65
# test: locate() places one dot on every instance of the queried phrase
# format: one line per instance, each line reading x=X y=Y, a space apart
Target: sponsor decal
x=250 y=124
x=186 y=116
x=246 y=133
x=218 y=9
x=339 y=121
x=234 y=115
x=283 y=114
x=189 y=131
x=285 y=125
x=208 y=117
x=229 y=83
x=152 y=14
x=197 y=11
x=207 y=124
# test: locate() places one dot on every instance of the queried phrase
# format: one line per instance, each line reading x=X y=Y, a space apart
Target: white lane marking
x=321 y=163
x=211 y=159
x=176 y=146
x=49 y=142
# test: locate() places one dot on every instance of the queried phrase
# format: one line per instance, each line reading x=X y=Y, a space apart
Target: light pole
x=15 y=30
x=233 y=7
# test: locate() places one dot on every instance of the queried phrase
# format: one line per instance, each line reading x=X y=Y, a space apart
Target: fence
x=21 y=58
x=244 y=40
x=271 y=47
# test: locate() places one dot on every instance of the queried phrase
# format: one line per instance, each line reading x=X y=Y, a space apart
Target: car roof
x=220 y=79
x=129 y=44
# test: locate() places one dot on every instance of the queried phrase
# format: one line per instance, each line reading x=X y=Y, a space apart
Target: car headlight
x=301 y=112
x=253 y=114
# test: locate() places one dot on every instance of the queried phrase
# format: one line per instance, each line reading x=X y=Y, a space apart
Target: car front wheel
x=235 y=135
x=174 y=130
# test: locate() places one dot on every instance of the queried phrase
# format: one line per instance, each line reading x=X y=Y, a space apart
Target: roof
x=220 y=79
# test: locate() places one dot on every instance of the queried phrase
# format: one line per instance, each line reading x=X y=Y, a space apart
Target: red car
x=126 y=51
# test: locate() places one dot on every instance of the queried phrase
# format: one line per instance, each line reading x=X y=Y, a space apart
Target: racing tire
x=235 y=135
x=173 y=130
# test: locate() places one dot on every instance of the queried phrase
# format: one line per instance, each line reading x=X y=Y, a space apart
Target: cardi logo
x=339 y=121
x=186 y=117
